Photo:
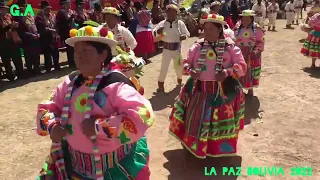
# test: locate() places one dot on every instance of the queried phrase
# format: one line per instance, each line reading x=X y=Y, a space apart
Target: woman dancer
x=95 y=118
x=250 y=38
x=144 y=36
x=311 y=47
x=208 y=115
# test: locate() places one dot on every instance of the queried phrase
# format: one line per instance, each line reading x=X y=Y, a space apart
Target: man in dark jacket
x=81 y=14
x=9 y=43
x=64 y=23
x=28 y=33
x=48 y=36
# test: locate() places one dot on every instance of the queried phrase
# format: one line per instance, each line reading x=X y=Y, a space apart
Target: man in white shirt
x=289 y=14
x=273 y=10
x=260 y=10
x=174 y=32
x=297 y=9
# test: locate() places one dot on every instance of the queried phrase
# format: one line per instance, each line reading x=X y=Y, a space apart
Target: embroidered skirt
x=129 y=162
x=311 y=47
x=205 y=123
x=252 y=77
x=145 y=42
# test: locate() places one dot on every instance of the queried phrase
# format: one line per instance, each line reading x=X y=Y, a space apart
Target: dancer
x=250 y=39
x=297 y=9
x=311 y=47
x=304 y=26
x=95 y=118
x=260 y=10
x=144 y=36
x=273 y=10
x=289 y=14
x=175 y=31
x=123 y=36
x=209 y=113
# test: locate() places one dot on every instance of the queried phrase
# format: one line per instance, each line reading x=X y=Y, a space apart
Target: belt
x=172 y=46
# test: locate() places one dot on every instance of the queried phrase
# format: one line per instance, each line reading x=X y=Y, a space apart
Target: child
x=273 y=9
x=311 y=47
x=250 y=38
x=209 y=113
x=95 y=118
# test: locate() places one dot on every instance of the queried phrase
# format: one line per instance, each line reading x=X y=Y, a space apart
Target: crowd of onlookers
x=29 y=37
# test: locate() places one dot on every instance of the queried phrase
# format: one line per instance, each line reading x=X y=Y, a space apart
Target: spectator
x=48 y=36
x=9 y=43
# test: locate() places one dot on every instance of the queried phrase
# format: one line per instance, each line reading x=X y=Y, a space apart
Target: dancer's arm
x=134 y=115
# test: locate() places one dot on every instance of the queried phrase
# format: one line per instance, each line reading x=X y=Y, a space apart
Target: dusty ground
x=286 y=136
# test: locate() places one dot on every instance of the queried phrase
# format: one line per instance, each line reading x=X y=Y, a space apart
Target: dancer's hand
x=58 y=132
x=194 y=74
x=88 y=127
x=183 y=37
x=160 y=30
x=221 y=76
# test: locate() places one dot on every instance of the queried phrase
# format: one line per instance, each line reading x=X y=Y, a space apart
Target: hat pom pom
x=103 y=32
x=73 y=32
x=89 y=30
x=205 y=16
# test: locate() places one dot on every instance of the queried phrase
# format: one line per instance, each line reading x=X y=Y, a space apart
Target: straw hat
x=90 y=33
x=247 y=13
x=111 y=10
x=214 y=18
x=174 y=7
x=215 y=3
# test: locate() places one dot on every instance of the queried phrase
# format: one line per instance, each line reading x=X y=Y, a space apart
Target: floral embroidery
x=215 y=115
x=246 y=34
x=145 y=115
x=211 y=55
x=174 y=125
x=129 y=125
x=100 y=99
x=123 y=138
x=81 y=103
x=228 y=110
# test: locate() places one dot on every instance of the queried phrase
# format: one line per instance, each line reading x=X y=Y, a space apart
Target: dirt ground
x=282 y=120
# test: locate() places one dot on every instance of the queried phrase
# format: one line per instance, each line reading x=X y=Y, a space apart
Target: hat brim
x=111 y=13
x=72 y=41
x=251 y=15
x=50 y=7
x=202 y=21
x=65 y=2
